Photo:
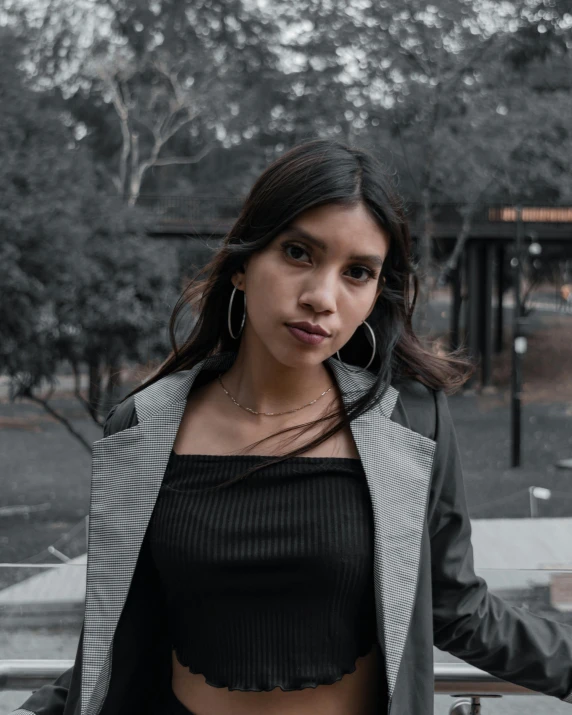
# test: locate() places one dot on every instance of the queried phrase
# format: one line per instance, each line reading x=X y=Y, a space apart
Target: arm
x=52 y=699
x=469 y=621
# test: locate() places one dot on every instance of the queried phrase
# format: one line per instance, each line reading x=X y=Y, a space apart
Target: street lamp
x=537 y=493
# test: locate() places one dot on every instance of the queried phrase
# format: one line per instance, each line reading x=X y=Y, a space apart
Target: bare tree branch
x=166 y=161
x=60 y=418
x=123 y=113
x=171 y=112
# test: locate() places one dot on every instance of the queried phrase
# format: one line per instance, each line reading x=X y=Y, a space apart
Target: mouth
x=310 y=329
x=304 y=336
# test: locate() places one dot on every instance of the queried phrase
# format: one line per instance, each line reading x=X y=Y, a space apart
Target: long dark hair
x=313 y=174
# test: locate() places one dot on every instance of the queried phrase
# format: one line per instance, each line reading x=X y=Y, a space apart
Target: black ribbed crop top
x=268 y=582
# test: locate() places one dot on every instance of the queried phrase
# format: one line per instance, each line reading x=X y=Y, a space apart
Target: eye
x=370 y=274
x=286 y=246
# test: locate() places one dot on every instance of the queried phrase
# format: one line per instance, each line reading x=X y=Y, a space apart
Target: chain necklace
x=270 y=414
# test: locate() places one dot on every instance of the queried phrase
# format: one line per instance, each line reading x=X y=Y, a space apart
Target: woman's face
x=331 y=281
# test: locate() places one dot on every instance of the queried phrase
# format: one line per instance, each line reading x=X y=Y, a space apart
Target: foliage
x=468 y=100
x=79 y=281
x=182 y=80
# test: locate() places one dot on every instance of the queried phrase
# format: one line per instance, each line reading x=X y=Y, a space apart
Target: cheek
x=353 y=305
x=268 y=291
x=270 y=275
x=350 y=318
x=353 y=312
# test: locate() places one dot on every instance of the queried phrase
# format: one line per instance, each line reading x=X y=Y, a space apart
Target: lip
x=305 y=337
x=309 y=328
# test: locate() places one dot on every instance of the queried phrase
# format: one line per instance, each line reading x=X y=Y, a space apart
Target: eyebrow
x=297 y=231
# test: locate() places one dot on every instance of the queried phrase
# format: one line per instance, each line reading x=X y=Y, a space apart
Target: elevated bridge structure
x=479 y=283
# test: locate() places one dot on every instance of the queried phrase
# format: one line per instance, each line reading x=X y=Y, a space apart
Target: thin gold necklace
x=270 y=414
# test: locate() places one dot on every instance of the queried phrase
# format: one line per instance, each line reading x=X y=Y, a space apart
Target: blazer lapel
x=127 y=471
x=397 y=462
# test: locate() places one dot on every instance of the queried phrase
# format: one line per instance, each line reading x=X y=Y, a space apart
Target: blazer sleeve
x=468 y=621
x=56 y=698
x=59 y=697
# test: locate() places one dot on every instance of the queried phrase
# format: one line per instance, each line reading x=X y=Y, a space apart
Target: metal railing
x=30 y=674
x=460 y=680
x=55 y=597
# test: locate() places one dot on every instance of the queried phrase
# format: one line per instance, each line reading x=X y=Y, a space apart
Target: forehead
x=353 y=226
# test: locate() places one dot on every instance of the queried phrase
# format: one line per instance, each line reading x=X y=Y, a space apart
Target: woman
x=278 y=520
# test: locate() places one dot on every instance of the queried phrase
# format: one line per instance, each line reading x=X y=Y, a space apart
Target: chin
x=304 y=358
x=296 y=358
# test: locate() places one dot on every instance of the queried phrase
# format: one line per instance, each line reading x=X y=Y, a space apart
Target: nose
x=319 y=293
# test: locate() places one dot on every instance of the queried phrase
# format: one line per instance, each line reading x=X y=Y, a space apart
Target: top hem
x=285 y=688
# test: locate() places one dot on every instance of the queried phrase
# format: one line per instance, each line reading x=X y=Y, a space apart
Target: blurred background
x=130 y=133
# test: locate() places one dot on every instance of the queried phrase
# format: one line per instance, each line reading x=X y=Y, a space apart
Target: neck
x=263 y=384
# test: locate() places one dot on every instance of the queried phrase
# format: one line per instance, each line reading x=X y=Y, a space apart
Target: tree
x=183 y=78
x=166 y=109
x=437 y=88
x=406 y=69
x=78 y=280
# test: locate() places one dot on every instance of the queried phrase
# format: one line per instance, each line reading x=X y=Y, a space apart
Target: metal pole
x=517 y=346
x=487 y=314
x=473 y=297
x=500 y=293
x=533 y=512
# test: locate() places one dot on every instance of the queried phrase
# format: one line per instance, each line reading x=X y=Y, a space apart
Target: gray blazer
x=426 y=590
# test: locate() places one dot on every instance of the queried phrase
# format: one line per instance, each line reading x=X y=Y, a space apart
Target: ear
x=237 y=277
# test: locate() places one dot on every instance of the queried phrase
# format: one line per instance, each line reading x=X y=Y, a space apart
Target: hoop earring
x=243 y=314
x=372 y=354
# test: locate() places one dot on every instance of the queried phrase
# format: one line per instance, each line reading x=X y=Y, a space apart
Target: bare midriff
x=355 y=693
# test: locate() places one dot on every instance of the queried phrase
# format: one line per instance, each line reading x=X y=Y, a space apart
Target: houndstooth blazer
x=426 y=590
